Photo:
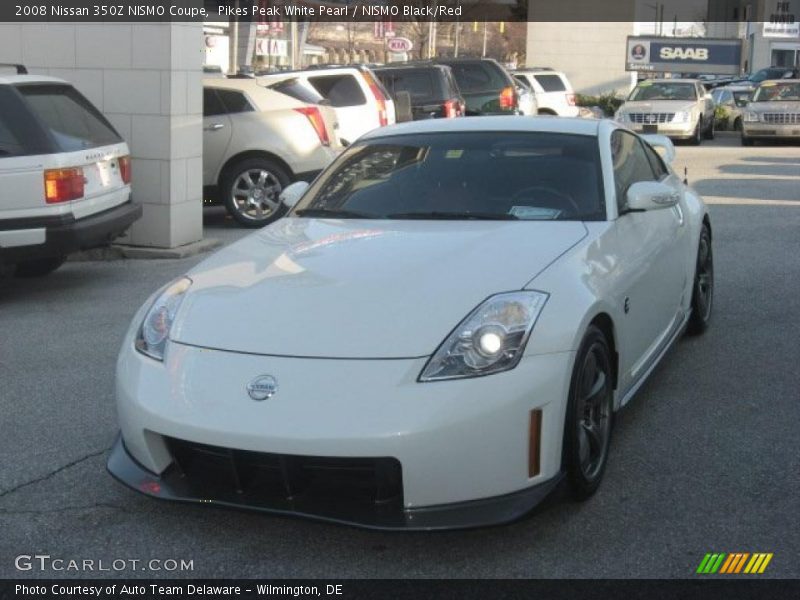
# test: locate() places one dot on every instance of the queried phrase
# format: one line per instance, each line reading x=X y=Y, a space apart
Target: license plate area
x=650 y=128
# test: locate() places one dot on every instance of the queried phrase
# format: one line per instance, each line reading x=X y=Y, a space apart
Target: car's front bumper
x=770 y=130
x=680 y=131
x=463 y=448
x=61 y=235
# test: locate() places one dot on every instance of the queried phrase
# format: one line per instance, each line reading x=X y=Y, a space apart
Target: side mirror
x=291 y=194
x=650 y=195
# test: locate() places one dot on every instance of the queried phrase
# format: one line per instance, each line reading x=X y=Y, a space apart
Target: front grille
x=782 y=118
x=331 y=487
x=647 y=118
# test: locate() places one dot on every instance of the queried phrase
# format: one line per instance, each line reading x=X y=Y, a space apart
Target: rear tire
x=703 y=287
x=590 y=414
x=709 y=132
x=250 y=190
x=737 y=124
x=39 y=267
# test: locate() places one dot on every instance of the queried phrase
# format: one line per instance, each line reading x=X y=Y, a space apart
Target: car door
x=217 y=132
x=653 y=278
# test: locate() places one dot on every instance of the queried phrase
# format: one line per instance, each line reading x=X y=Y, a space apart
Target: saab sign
x=683 y=55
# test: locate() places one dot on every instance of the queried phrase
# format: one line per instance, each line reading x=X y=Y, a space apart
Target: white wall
x=147 y=79
x=592 y=54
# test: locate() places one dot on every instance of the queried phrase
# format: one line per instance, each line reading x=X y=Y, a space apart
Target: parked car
x=258 y=140
x=773 y=113
x=527 y=98
x=357 y=95
x=554 y=93
x=732 y=99
x=486 y=86
x=773 y=72
x=65 y=174
x=433 y=90
x=455 y=309
x=678 y=108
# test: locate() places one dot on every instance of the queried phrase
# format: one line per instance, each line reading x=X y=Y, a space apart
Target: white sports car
x=438 y=332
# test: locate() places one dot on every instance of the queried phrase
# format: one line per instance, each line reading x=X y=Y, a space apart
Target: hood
x=659 y=106
x=354 y=288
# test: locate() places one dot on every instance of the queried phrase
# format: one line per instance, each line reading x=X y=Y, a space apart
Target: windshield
x=465 y=175
x=664 y=91
x=778 y=92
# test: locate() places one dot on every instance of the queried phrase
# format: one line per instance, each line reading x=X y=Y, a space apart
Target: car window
x=648 y=90
x=631 y=164
x=477 y=77
x=20 y=134
x=777 y=92
x=212 y=105
x=73 y=122
x=418 y=83
x=341 y=90
x=656 y=162
x=550 y=83
x=299 y=90
x=234 y=101
x=523 y=83
x=525 y=176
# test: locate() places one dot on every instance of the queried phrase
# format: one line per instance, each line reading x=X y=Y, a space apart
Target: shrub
x=609 y=102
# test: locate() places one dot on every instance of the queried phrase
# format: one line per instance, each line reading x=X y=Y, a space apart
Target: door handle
x=213 y=127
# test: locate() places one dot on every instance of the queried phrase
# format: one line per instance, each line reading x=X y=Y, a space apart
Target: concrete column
x=147 y=79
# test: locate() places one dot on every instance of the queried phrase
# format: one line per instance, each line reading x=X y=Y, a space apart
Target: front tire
x=39 y=267
x=589 y=418
x=251 y=191
x=709 y=132
x=746 y=141
x=703 y=287
x=697 y=136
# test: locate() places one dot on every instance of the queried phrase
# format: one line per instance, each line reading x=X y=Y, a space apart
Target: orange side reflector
x=534 y=440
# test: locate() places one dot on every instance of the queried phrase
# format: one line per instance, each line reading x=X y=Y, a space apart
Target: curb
x=121 y=251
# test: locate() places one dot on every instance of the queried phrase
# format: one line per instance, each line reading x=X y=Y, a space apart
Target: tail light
x=63 y=185
x=314 y=117
x=571 y=99
x=373 y=87
x=451 y=109
x=508 y=98
x=125 y=169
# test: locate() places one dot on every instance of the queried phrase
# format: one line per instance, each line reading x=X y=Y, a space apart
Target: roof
x=572 y=125
x=675 y=80
x=17 y=79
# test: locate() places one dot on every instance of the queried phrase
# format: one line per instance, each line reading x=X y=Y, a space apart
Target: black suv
x=486 y=86
x=432 y=89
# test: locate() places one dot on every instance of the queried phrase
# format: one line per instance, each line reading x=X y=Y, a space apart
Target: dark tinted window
x=19 y=132
x=630 y=163
x=526 y=176
x=299 y=90
x=212 y=105
x=341 y=90
x=478 y=77
x=419 y=83
x=71 y=119
x=233 y=101
x=550 y=83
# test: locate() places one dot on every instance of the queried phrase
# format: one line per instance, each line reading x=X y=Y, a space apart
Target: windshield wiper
x=334 y=213
x=454 y=216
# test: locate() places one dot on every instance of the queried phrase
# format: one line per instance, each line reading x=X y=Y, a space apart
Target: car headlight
x=154 y=330
x=682 y=117
x=751 y=117
x=490 y=339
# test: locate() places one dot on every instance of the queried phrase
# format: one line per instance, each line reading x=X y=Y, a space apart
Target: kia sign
x=683 y=55
x=399 y=44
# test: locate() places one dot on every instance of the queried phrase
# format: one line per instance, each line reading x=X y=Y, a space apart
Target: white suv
x=257 y=140
x=65 y=174
x=356 y=94
x=554 y=93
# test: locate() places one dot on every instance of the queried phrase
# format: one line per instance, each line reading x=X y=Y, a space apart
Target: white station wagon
x=453 y=312
x=65 y=174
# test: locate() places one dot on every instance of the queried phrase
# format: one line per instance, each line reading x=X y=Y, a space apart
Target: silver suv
x=65 y=174
x=678 y=108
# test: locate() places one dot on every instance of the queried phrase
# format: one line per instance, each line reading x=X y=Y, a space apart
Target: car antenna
x=685 y=175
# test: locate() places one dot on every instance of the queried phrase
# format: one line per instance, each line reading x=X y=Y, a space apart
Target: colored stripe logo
x=734 y=563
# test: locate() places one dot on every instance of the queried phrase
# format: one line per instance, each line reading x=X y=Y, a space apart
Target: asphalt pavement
x=705 y=459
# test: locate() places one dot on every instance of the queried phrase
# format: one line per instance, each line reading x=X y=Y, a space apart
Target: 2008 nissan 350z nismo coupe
x=437 y=333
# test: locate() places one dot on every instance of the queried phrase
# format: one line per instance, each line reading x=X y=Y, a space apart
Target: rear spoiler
x=663 y=142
